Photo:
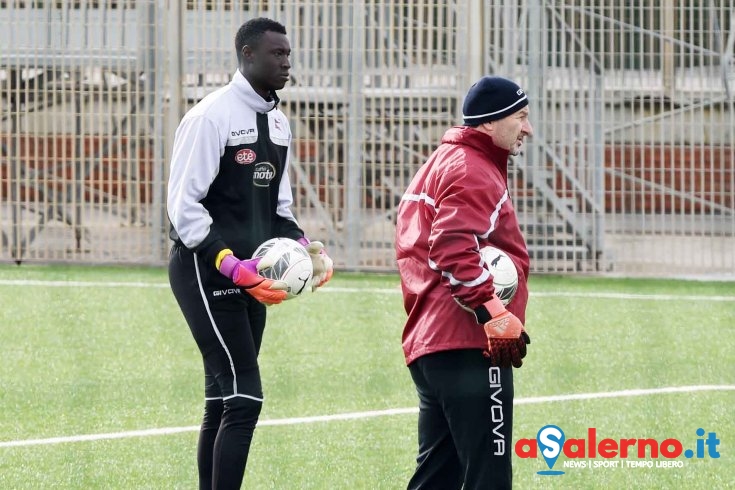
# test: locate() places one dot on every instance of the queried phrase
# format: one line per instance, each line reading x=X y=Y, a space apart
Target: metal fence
x=631 y=171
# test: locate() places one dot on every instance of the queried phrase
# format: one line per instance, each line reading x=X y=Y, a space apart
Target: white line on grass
x=544 y=294
x=564 y=294
x=365 y=415
x=654 y=297
x=81 y=284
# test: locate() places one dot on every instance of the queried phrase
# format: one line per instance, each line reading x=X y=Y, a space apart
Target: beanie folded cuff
x=491 y=99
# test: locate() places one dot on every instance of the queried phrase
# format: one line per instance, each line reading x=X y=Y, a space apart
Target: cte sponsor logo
x=245 y=156
x=263 y=173
x=552 y=443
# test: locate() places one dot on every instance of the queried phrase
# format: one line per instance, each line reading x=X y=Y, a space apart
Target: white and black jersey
x=228 y=188
x=229 y=184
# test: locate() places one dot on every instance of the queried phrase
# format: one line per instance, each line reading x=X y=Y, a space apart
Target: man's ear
x=247 y=53
x=487 y=127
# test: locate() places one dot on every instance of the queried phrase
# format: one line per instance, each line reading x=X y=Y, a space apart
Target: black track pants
x=465 y=422
x=227 y=325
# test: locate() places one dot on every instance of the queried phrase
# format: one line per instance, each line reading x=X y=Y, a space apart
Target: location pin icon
x=551 y=441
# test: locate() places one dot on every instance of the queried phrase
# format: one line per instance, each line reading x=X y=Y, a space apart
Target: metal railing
x=633 y=109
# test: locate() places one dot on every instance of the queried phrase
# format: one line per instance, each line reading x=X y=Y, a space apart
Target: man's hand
x=506 y=337
x=320 y=261
x=245 y=273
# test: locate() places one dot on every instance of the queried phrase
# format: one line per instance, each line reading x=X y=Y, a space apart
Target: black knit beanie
x=490 y=99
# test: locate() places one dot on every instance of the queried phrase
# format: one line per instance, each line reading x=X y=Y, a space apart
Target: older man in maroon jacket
x=460 y=341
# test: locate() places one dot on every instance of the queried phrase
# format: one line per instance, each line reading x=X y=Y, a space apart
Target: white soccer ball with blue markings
x=505 y=274
x=291 y=264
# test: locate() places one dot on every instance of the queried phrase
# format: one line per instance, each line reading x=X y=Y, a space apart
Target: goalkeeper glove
x=320 y=261
x=506 y=337
x=245 y=273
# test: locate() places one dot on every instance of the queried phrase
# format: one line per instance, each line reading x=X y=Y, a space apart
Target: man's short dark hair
x=251 y=31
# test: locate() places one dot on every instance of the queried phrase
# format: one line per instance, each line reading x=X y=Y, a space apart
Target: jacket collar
x=478 y=140
x=247 y=94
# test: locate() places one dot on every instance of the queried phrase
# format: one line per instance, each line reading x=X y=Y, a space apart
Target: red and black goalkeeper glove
x=506 y=337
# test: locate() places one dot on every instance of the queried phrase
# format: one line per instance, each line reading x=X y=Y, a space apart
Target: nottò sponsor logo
x=263 y=173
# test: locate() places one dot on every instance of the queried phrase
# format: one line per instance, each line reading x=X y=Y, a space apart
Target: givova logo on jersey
x=263 y=173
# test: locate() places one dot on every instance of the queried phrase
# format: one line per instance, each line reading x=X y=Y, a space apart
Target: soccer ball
x=291 y=264
x=505 y=274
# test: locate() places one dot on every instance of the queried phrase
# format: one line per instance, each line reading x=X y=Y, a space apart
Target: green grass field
x=101 y=386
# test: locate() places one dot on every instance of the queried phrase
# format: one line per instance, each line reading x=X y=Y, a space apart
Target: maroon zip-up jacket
x=457 y=203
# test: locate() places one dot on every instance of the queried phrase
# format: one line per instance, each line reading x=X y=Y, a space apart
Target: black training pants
x=465 y=422
x=227 y=325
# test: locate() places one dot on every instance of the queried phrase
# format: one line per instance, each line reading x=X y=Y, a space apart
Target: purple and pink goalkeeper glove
x=245 y=273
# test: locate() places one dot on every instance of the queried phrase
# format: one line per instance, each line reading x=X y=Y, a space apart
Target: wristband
x=220 y=256
x=489 y=309
x=494 y=306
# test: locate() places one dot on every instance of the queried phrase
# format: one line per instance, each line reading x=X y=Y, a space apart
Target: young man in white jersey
x=228 y=192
